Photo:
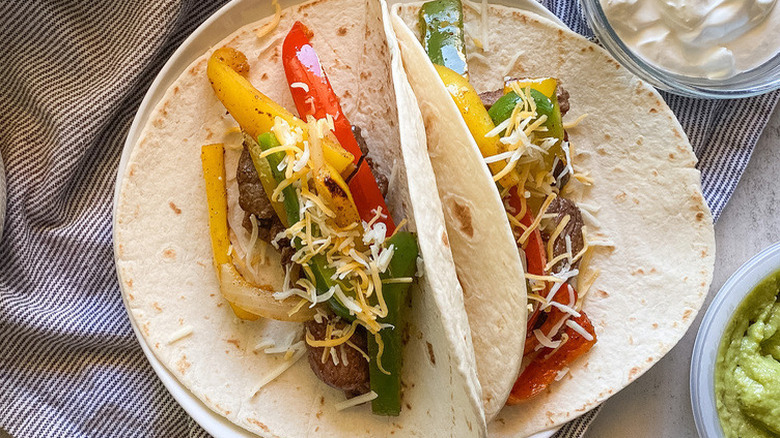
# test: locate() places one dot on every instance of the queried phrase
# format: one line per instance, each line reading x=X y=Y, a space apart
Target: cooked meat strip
x=381 y=179
x=358 y=133
x=353 y=377
x=563 y=99
x=254 y=201
x=573 y=229
x=251 y=195
x=489 y=98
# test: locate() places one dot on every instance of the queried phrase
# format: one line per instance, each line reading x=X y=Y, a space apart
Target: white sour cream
x=714 y=39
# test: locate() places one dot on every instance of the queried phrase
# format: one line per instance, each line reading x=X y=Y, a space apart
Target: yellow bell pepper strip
x=337 y=196
x=546 y=86
x=254 y=111
x=329 y=184
x=441 y=27
x=249 y=299
x=477 y=119
x=387 y=384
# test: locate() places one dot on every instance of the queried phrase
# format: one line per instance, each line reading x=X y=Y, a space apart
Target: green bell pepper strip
x=291 y=206
x=388 y=386
x=502 y=110
x=268 y=167
x=441 y=26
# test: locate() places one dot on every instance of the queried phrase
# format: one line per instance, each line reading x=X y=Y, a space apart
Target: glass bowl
x=760 y=80
x=718 y=315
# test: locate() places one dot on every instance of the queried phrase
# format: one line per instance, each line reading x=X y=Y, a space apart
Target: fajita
x=607 y=213
x=178 y=218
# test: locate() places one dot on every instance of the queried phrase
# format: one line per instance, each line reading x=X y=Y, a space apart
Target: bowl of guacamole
x=735 y=368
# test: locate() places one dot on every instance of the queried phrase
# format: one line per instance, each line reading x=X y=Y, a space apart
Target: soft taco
x=596 y=181
x=251 y=230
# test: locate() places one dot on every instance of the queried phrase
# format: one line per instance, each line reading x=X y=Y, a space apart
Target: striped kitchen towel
x=73 y=75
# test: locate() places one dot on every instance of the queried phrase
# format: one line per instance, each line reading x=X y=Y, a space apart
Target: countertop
x=658 y=404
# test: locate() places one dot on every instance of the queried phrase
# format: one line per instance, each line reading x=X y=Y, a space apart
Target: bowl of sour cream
x=697 y=48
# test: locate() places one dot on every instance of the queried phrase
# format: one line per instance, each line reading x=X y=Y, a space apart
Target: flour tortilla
x=657 y=269
x=164 y=256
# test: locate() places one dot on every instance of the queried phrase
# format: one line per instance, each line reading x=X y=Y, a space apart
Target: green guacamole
x=747 y=371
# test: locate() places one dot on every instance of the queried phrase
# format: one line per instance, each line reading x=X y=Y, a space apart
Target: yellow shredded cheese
x=543 y=278
x=537 y=219
x=331 y=342
x=575 y=122
x=271 y=25
x=555 y=234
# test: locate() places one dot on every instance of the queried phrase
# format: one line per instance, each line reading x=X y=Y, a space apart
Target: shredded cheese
x=555 y=234
x=578 y=328
x=355 y=401
x=399 y=280
x=301 y=85
x=537 y=220
x=575 y=122
x=277 y=371
x=331 y=342
x=180 y=334
x=543 y=278
x=268 y=27
x=544 y=340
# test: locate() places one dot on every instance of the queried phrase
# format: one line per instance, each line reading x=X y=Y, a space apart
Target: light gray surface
x=658 y=403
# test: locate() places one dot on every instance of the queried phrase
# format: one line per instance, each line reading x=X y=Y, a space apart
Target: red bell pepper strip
x=317 y=98
x=535 y=255
x=553 y=317
x=543 y=370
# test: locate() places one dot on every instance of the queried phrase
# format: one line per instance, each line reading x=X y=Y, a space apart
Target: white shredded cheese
x=561 y=374
x=420 y=267
x=348 y=302
x=578 y=328
x=566 y=309
x=277 y=371
x=324 y=297
x=263 y=344
x=355 y=401
x=544 y=340
x=301 y=85
x=180 y=334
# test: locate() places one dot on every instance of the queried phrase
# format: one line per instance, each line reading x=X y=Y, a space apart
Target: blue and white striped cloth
x=73 y=75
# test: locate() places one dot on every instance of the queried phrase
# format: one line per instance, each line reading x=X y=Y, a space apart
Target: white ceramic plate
x=705 y=350
x=225 y=21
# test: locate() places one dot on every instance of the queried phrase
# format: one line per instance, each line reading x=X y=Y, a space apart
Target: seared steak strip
x=352 y=377
x=563 y=207
x=254 y=201
x=381 y=179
